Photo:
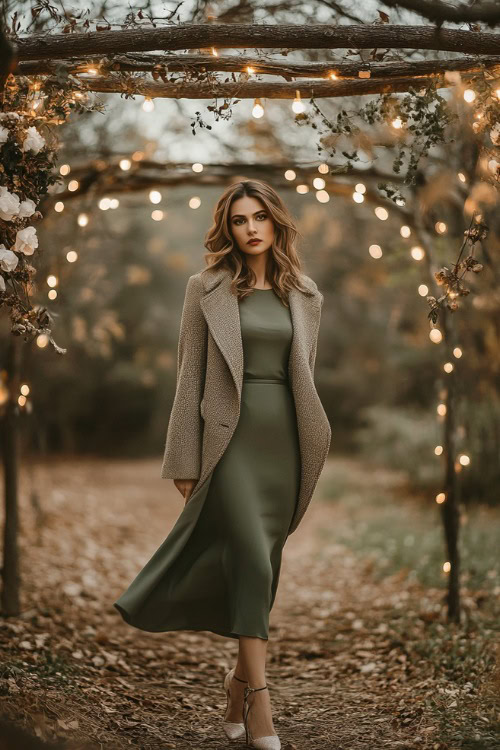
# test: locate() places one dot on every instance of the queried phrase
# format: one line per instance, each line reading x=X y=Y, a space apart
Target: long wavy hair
x=283 y=268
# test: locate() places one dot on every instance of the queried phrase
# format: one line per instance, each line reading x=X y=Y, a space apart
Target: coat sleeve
x=312 y=355
x=183 y=445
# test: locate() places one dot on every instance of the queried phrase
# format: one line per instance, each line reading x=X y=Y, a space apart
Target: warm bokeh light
x=440 y=227
x=447 y=567
x=323 y=168
x=457 y=352
x=435 y=335
x=381 y=213
x=194 y=202
x=417 y=253
x=290 y=174
x=71 y=256
x=302 y=189
x=360 y=188
x=25 y=389
x=59 y=206
x=469 y=95
x=322 y=196
x=42 y=340
x=73 y=185
x=375 y=251
x=441 y=409
x=464 y=459
x=448 y=367
x=405 y=231
x=83 y=220
x=462 y=177
x=397 y=123
x=358 y=197
x=298 y=105
x=154 y=196
x=104 y=203
x=52 y=294
x=258 y=109
x=440 y=497
x=148 y=104
x=319 y=183
x=438 y=450
x=64 y=169
x=125 y=164
x=51 y=280
x=197 y=166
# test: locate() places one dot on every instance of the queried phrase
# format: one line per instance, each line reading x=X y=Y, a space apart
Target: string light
x=250 y=70
x=21 y=400
x=52 y=280
x=405 y=231
x=462 y=177
x=73 y=185
x=25 y=389
x=42 y=340
x=114 y=203
x=290 y=174
x=137 y=155
x=358 y=197
x=52 y=294
x=64 y=169
x=319 y=183
x=148 y=104
x=154 y=196
x=71 y=256
x=447 y=567
x=469 y=95
x=258 y=109
x=448 y=367
x=302 y=189
x=457 y=352
x=157 y=215
x=104 y=204
x=83 y=220
x=125 y=164
x=435 y=336
x=91 y=71
x=397 y=123
x=464 y=460
x=360 y=188
x=334 y=76
x=194 y=202
x=323 y=168
x=423 y=290
x=375 y=251
x=197 y=167
x=440 y=227
x=322 y=196
x=438 y=450
x=417 y=253
x=214 y=52
x=441 y=410
x=59 y=206
x=298 y=105
x=381 y=213
x=440 y=497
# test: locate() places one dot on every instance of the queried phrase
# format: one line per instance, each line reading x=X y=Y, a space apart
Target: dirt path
x=348 y=666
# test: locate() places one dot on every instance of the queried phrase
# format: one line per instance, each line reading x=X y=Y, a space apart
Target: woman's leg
x=251 y=666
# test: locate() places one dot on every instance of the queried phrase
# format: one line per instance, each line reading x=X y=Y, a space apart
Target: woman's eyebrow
x=243 y=215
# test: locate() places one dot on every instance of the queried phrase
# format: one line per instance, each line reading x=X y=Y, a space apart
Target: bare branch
x=435 y=10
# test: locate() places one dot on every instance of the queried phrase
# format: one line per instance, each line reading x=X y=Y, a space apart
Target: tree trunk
x=10 y=448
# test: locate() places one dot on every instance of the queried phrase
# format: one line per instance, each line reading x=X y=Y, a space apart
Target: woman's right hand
x=185 y=487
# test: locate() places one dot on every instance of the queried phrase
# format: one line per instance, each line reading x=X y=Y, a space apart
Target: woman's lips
x=254 y=242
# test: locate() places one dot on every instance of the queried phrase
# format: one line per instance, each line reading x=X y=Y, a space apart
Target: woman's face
x=249 y=219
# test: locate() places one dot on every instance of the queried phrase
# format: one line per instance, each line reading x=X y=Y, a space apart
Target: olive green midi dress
x=219 y=566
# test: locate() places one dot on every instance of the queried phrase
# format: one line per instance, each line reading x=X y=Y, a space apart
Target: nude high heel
x=271 y=741
x=233 y=729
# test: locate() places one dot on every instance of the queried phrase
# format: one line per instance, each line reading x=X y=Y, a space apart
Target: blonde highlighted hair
x=284 y=268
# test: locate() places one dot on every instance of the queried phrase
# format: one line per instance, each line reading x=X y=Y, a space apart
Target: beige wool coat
x=206 y=405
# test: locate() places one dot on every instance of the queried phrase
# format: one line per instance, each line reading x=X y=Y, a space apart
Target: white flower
x=4 y=134
x=8 y=259
x=6 y=115
x=495 y=134
x=33 y=141
x=9 y=204
x=26 y=241
x=27 y=208
x=2 y=284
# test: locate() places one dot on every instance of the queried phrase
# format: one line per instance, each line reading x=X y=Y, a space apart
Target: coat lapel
x=221 y=310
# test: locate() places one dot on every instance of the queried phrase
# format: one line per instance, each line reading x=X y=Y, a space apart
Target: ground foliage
x=356 y=660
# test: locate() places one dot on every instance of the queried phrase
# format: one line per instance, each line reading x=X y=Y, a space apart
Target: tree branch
x=221 y=36
x=435 y=10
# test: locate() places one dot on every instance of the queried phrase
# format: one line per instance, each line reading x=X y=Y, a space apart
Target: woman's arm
x=183 y=445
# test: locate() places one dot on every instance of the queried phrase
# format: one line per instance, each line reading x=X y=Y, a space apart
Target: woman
x=246 y=442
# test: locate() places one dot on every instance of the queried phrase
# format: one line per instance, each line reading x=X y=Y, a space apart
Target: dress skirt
x=218 y=568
